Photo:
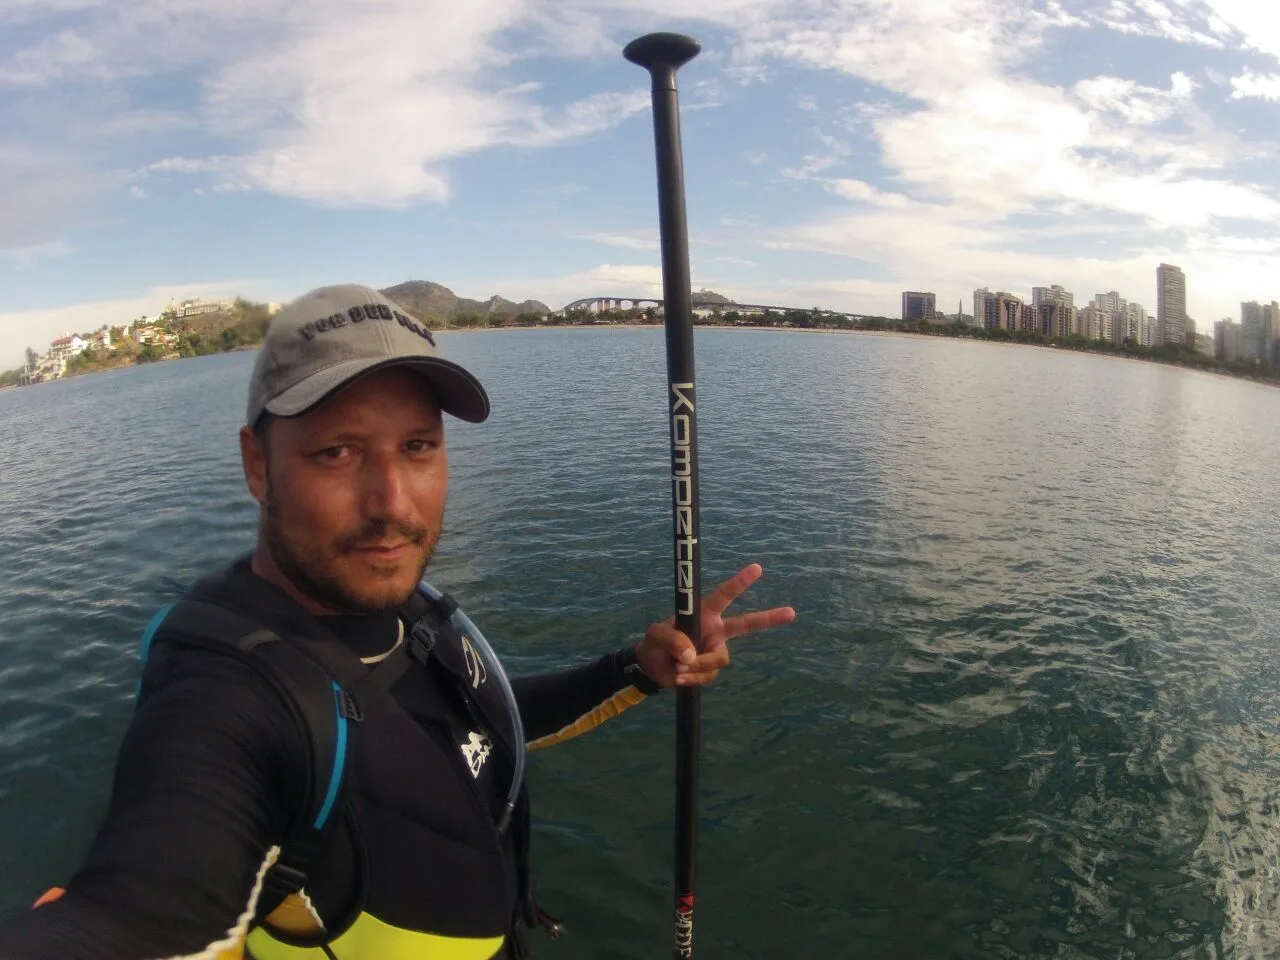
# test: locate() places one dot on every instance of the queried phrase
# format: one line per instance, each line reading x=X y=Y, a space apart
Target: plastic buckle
x=422 y=640
x=284 y=879
x=348 y=707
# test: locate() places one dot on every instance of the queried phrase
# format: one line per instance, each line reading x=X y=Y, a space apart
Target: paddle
x=662 y=54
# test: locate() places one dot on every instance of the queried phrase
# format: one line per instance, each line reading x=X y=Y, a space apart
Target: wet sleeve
x=197 y=804
x=555 y=707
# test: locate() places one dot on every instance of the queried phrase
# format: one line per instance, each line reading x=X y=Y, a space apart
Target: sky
x=836 y=153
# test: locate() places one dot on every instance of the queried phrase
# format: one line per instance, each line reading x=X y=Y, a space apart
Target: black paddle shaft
x=662 y=54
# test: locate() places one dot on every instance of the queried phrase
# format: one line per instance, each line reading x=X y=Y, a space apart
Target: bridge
x=600 y=304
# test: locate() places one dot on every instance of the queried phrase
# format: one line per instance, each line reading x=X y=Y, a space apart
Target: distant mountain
x=710 y=296
x=433 y=301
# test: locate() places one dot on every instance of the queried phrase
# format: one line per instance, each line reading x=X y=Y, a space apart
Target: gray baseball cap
x=326 y=338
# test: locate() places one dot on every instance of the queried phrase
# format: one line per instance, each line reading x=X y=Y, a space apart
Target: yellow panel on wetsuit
x=371 y=939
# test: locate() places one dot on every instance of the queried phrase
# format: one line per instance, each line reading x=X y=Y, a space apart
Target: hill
x=705 y=296
x=435 y=302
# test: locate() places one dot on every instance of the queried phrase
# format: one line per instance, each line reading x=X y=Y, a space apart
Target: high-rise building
x=1054 y=293
x=1204 y=344
x=1271 y=333
x=1114 y=306
x=1111 y=301
x=1094 y=322
x=919 y=306
x=1011 y=311
x=1057 y=319
x=1251 y=331
x=998 y=311
x=1130 y=324
x=1054 y=311
x=984 y=308
x=1189 y=331
x=1226 y=340
x=1171 y=304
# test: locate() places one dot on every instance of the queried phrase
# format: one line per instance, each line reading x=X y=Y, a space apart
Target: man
x=323 y=762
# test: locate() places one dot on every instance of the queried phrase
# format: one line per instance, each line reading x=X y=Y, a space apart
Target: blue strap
x=339 y=761
x=149 y=633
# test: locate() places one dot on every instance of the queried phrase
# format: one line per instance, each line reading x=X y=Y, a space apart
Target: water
x=1027 y=709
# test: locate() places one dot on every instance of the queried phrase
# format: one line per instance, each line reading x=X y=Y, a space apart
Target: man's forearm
x=570 y=702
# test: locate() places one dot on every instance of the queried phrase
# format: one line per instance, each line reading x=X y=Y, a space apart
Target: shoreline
x=657 y=327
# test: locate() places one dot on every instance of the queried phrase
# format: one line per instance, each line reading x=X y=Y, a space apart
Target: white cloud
x=579 y=119
x=1260 y=85
x=137 y=192
x=863 y=192
x=810 y=165
x=634 y=240
x=1133 y=103
x=1255 y=23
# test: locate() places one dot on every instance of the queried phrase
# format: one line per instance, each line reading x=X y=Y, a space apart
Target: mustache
x=375 y=531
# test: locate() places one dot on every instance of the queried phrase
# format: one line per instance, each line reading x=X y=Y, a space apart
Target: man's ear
x=253 y=458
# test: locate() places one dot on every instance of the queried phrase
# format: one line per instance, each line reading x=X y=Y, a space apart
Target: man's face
x=353 y=492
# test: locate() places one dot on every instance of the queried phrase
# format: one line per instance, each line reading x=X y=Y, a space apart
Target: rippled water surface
x=1029 y=708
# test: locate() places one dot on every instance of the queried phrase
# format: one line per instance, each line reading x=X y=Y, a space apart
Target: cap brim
x=457 y=391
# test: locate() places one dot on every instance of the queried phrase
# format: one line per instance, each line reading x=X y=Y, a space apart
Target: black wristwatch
x=634 y=674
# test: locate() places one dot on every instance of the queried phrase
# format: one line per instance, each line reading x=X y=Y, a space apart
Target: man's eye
x=333 y=453
x=421 y=446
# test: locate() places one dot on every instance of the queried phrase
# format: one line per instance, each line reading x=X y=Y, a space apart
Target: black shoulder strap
x=323 y=708
x=325 y=696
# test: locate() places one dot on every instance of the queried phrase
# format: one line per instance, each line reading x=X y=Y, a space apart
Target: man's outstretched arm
x=195 y=810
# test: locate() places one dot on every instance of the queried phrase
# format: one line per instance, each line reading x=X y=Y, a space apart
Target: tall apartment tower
x=1251 y=331
x=1271 y=333
x=1171 y=304
x=1012 y=311
x=919 y=306
x=1226 y=340
x=1135 y=325
x=984 y=308
x=1053 y=294
x=1113 y=307
x=1054 y=310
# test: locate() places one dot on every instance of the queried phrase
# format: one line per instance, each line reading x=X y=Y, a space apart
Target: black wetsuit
x=203 y=787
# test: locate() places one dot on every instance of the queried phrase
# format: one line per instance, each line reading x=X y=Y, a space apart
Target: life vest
x=396 y=854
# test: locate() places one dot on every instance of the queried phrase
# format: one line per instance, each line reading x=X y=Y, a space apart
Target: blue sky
x=837 y=153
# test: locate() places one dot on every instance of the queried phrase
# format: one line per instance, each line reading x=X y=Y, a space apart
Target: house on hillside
x=101 y=340
x=194 y=308
x=64 y=348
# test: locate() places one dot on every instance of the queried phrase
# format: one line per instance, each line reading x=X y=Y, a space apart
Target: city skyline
x=835 y=154
x=1109 y=316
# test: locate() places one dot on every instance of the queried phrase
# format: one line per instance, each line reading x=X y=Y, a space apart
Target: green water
x=1028 y=708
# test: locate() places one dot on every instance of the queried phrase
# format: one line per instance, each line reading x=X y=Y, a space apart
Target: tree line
x=1180 y=354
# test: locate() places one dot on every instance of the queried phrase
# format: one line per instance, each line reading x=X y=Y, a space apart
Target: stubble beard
x=314 y=572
